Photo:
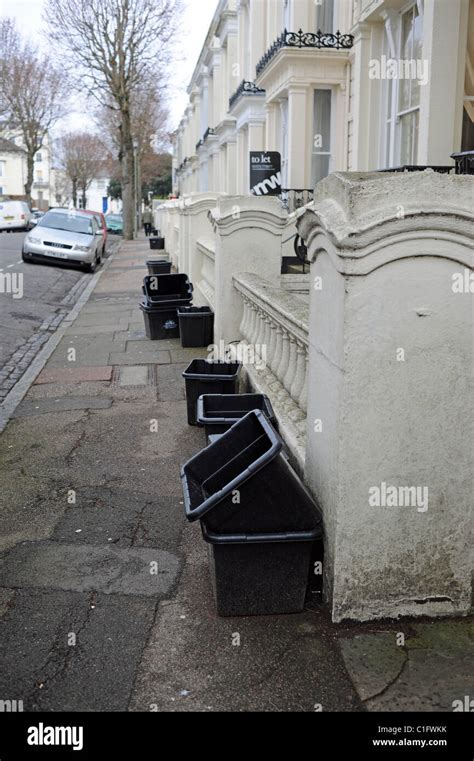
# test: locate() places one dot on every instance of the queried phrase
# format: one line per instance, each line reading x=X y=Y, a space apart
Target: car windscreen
x=114 y=218
x=71 y=223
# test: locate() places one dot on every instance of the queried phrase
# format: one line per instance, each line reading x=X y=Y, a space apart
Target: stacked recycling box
x=261 y=525
x=163 y=295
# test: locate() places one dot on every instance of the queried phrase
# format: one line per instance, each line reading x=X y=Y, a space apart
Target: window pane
x=325 y=16
x=417 y=55
x=406 y=54
x=319 y=169
x=322 y=121
x=321 y=148
x=409 y=138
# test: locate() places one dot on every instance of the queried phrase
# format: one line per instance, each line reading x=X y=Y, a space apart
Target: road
x=21 y=319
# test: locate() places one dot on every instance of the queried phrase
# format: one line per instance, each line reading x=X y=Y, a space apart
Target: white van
x=14 y=215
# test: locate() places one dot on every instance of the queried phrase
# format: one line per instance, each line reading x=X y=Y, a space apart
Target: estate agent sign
x=265 y=173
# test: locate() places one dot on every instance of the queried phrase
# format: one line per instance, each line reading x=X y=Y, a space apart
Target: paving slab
x=39 y=665
x=90 y=351
x=429 y=673
x=148 y=356
x=74 y=375
x=48 y=406
x=88 y=568
x=123 y=518
x=133 y=375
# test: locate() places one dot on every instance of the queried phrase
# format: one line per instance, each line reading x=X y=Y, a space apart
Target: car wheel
x=92 y=266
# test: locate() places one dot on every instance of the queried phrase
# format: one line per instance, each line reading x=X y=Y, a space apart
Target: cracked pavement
x=105 y=596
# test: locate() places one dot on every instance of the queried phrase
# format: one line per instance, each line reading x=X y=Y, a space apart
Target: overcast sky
x=197 y=18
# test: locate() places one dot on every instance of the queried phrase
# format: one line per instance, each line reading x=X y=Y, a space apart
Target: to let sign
x=265 y=173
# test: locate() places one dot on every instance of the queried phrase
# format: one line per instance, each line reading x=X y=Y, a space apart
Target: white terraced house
x=352 y=289
x=266 y=80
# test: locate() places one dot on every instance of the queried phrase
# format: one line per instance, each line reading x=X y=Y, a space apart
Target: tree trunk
x=74 y=193
x=128 y=177
x=84 y=198
x=29 y=176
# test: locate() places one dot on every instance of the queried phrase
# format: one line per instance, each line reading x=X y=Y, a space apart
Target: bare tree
x=33 y=93
x=82 y=155
x=114 y=47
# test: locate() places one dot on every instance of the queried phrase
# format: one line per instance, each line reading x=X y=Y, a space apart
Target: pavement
x=27 y=323
x=105 y=597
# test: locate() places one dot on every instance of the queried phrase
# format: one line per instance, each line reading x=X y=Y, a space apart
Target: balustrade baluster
x=291 y=371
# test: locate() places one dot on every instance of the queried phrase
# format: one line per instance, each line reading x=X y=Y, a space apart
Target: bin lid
x=199 y=369
x=274 y=447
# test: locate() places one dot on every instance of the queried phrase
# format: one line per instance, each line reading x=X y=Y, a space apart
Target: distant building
x=12 y=169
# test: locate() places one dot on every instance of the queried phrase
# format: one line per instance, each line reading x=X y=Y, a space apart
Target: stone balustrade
x=274 y=327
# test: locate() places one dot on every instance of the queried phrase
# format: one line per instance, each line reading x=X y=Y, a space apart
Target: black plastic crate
x=218 y=413
x=160 y=324
x=258 y=518
x=159 y=267
x=203 y=377
x=261 y=578
x=196 y=326
x=168 y=290
x=157 y=244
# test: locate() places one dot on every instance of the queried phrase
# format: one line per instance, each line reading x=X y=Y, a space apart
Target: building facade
x=12 y=169
x=332 y=85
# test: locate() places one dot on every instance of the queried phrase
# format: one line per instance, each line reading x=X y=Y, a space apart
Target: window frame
x=391 y=114
x=315 y=152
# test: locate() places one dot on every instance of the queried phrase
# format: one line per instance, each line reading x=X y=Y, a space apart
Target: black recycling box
x=204 y=377
x=259 y=520
x=196 y=326
x=218 y=413
x=157 y=244
x=159 y=267
x=168 y=290
x=160 y=323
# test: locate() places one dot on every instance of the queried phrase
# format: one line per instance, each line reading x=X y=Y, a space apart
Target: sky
x=195 y=24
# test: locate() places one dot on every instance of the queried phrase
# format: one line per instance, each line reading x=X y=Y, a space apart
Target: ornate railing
x=464 y=162
x=415 y=168
x=295 y=198
x=275 y=324
x=209 y=131
x=245 y=88
x=183 y=164
x=302 y=39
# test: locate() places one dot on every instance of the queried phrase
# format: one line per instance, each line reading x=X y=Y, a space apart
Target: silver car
x=65 y=236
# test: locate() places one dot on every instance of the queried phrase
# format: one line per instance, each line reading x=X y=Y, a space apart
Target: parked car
x=15 y=216
x=100 y=219
x=35 y=217
x=65 y=236
x=114 y=223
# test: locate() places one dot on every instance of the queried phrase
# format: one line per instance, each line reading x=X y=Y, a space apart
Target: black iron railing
x=245 y=88
x=209 y=131
x=464 y=162
x=183 y=164
x=302 y=39
x=416 y=168
x=295 y=198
